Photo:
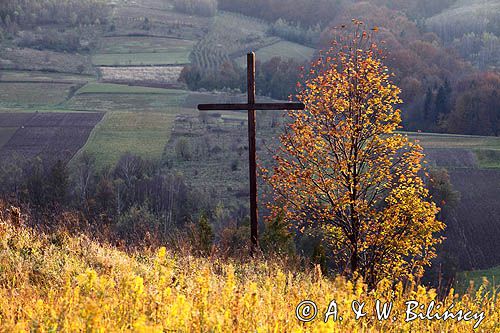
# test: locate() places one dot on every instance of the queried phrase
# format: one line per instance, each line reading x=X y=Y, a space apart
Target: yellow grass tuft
x=66 y=283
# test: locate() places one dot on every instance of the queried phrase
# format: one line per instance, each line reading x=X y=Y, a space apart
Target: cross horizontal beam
x=255 y=106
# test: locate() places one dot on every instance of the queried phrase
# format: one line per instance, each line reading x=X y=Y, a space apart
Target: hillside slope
x=59 y=282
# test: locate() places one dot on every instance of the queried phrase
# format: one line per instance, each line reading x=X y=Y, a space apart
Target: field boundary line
x=91 y=136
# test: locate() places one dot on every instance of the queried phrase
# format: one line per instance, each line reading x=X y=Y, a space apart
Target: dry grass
x=63 y=283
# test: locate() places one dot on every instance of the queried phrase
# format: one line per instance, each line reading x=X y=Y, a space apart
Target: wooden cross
x=251 y=106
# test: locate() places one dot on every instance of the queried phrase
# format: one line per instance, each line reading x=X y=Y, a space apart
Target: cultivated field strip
x=141 y=133
x=34 y=94
x=36 y=60
x=473 y=227
x=49 y=136
x=150 y=76
x=143 y=44
x=11 y=119
x=283 y=49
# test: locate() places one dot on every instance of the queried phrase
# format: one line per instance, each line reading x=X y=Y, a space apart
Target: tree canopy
x=341 y=167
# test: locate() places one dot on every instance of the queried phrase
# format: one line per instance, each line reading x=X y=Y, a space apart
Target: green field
x=143 y=130
x=124 y=45
x=174 y=57
x=488 y=158
x=282 y=49
x=116 y=97
x=37 y=89
x=432 y=140
x=486 y=149
x=141 y=133
x=41 y=94
x=111 y=88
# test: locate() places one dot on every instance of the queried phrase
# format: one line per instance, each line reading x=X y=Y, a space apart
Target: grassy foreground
x=66 y=283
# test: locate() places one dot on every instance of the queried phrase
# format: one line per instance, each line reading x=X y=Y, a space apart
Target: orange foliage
x=343 y=168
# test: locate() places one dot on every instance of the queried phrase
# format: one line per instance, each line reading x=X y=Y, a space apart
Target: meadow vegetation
x=34 y=94
x=58 y=281
x=120 y=132
x=142 y=44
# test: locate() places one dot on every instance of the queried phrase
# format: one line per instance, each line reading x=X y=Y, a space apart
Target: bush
x=202 y=235
x=53 y=40
x=137 y=224
x=183 y=150
x=277 y=238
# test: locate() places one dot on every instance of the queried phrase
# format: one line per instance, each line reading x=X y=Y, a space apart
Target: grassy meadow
x=38 y=89
x=111 y=97
x=22 y=76
x=59 y=282
x=110 y=88
x=125 y=45
x=33 y=94
x=142 y=133
x=486 y=149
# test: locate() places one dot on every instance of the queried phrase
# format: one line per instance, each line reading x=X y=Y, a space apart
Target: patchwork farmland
x=49 y=136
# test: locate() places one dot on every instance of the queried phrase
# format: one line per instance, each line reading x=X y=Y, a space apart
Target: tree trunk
x=354 y=260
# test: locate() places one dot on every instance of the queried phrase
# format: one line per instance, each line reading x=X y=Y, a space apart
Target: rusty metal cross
x=251 y=106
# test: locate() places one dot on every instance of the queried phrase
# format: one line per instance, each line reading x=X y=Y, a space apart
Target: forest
x=435 y=56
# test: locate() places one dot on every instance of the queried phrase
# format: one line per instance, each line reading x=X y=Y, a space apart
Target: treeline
x=310 y=13
x=196 y=7
x=475 y=106
x=276 y=78
x=227 y=76
x=134 y=199
x=136 y=203
x=22 y=14
x=306 y=12
x=433 y=79
x=143 y=203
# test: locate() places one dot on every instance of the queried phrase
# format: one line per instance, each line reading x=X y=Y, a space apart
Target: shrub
x=183 y=150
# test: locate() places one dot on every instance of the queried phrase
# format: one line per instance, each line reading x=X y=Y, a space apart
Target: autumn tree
x=342 y=167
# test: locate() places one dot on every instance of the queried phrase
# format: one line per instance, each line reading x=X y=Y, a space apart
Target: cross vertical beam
x=252 y=152
x=251 y=107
